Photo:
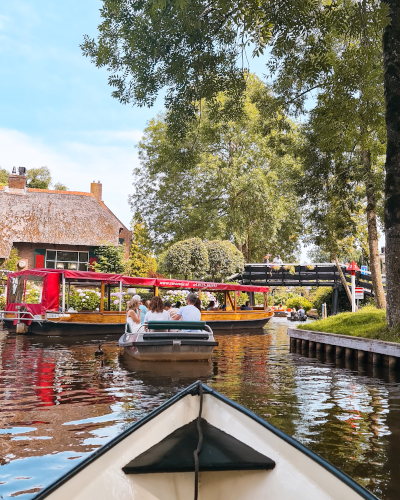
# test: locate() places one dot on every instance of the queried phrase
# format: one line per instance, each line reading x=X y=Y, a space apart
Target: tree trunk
x=376 y=276
x=343 y=279
x=391 y=62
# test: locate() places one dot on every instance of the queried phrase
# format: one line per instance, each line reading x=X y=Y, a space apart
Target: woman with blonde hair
x=133 y=315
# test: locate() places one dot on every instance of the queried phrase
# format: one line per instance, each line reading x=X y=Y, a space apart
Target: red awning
x=144 y=282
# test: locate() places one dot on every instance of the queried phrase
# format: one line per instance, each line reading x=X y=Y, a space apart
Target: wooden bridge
x=294 y=275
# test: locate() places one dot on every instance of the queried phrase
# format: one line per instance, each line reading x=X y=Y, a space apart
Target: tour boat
x=280 y=313
x=170 y=341
x=201 y=445
x=38 y=302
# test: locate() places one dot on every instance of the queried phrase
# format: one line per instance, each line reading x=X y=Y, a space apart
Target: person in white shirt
x=278 y=260
x=156 y=311
x=188 y=312
x=171 y=310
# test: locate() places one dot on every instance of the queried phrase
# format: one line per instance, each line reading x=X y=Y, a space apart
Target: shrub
x=298 y=302
x=188 y=258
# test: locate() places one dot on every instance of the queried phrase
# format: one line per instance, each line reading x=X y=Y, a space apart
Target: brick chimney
x=96 y=189
x=16 y=181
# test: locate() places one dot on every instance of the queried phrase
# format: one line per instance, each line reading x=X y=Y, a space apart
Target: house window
x=63 y=259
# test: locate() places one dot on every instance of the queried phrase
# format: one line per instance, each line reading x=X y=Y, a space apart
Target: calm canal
x=58 y=403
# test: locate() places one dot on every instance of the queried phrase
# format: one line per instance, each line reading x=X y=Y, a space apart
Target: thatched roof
x=56 y=217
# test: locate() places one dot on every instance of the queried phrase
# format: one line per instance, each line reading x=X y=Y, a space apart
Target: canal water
x=58 y=403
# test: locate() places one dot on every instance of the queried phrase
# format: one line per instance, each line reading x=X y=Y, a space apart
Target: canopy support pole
x=63 y=293
x=235 y=299
x=120 y=296
x=102 y=296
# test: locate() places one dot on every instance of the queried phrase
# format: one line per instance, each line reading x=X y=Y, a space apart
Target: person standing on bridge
x=266 y=258
x=278 y=260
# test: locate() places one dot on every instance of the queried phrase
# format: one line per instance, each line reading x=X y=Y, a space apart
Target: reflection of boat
x=150 y=372
x=200 y=444
x=38 y=302
x=188 y=341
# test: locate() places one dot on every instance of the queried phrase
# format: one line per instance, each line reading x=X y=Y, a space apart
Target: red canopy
x=144 y=282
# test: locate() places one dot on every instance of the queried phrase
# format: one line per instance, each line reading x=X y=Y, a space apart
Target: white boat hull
x=170 y=353
x=298 y=474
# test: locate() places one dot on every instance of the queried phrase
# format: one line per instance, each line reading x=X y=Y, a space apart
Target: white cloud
x=106 y=156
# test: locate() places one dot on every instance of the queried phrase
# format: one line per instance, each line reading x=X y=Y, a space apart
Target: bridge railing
x=295 y=274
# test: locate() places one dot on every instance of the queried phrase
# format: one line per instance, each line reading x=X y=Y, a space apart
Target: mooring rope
x=197 y=451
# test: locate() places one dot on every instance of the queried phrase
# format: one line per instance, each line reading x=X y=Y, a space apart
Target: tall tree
x=39 y=178
x=224 y=259
x=227 y=179
x=110 y=258
x=391 y=51
x=141 y=260
x=3 y=177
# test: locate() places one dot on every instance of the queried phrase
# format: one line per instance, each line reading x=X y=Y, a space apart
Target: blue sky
x=55 y=105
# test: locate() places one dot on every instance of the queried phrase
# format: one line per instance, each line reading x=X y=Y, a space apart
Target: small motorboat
x=202 y=445
x=170 y=341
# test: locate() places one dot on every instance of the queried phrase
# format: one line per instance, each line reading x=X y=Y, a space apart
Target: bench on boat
x=176 y=325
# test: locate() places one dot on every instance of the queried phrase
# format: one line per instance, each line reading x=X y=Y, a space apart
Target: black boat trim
x=199 y=342
x=219 y=452
x=193 y=390
x=175 y=335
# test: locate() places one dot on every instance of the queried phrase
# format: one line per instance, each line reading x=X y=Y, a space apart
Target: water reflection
x=59 y=402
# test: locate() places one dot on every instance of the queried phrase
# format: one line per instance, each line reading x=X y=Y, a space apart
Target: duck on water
x=202 y=445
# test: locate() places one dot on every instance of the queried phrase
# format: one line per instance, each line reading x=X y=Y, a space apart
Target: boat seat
x=175 y=335
x=220 y=452
x=176 y=325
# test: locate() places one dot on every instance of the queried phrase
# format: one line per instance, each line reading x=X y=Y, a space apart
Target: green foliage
x=174 y=296
x=190 y=47
x=224 y=259
x=39 y=178
x=111 y=259
x=10 y=264
x=3 y=177
x=141 y=259
x=188 y=258
x=3 y=302
x=230 y=180
x=369 y=322
x=60 y=187
x=299 y=302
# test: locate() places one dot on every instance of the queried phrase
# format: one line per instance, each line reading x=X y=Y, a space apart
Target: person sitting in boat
x=293 y=313
x=156 y=311
x=178 y=305
x=197 y=303
x=301 y=312
x=171 y=310
x=246 y=306
x=142 y=307
x=223 y=307
x=133 y=315
x=211 y=306
x=189 y=312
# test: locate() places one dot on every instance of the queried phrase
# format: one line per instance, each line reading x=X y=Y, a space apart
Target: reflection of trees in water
x=344 y=422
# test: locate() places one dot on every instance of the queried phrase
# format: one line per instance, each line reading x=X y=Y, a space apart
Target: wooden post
x=329 y=349
x=339 y=351
x=392 y=362
x=376 y=359
x=292 y=344
x=348 y=353
x=235 y=299
x=304 y=346
x=311 y=348
x=298 y=345
x=362 y=356
x=63 y=293
x=319 y=347
x=102 y=288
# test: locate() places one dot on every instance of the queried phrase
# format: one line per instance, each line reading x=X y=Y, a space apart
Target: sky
x=56 y=108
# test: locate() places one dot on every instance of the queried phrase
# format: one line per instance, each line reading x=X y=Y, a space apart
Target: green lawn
x=369 y=322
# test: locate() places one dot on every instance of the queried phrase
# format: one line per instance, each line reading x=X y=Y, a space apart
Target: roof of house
x=55 y=217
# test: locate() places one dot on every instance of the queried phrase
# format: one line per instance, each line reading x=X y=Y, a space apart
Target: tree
x=141 y=260
x=230 y=180
x=110 y=258
x=39 y=178
x=224 y=259
x=188 y=258
x=60 y=187
x=391 y=59
x=3 y=177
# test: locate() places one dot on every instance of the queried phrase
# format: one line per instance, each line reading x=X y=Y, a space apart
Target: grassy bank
x=369 y=322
